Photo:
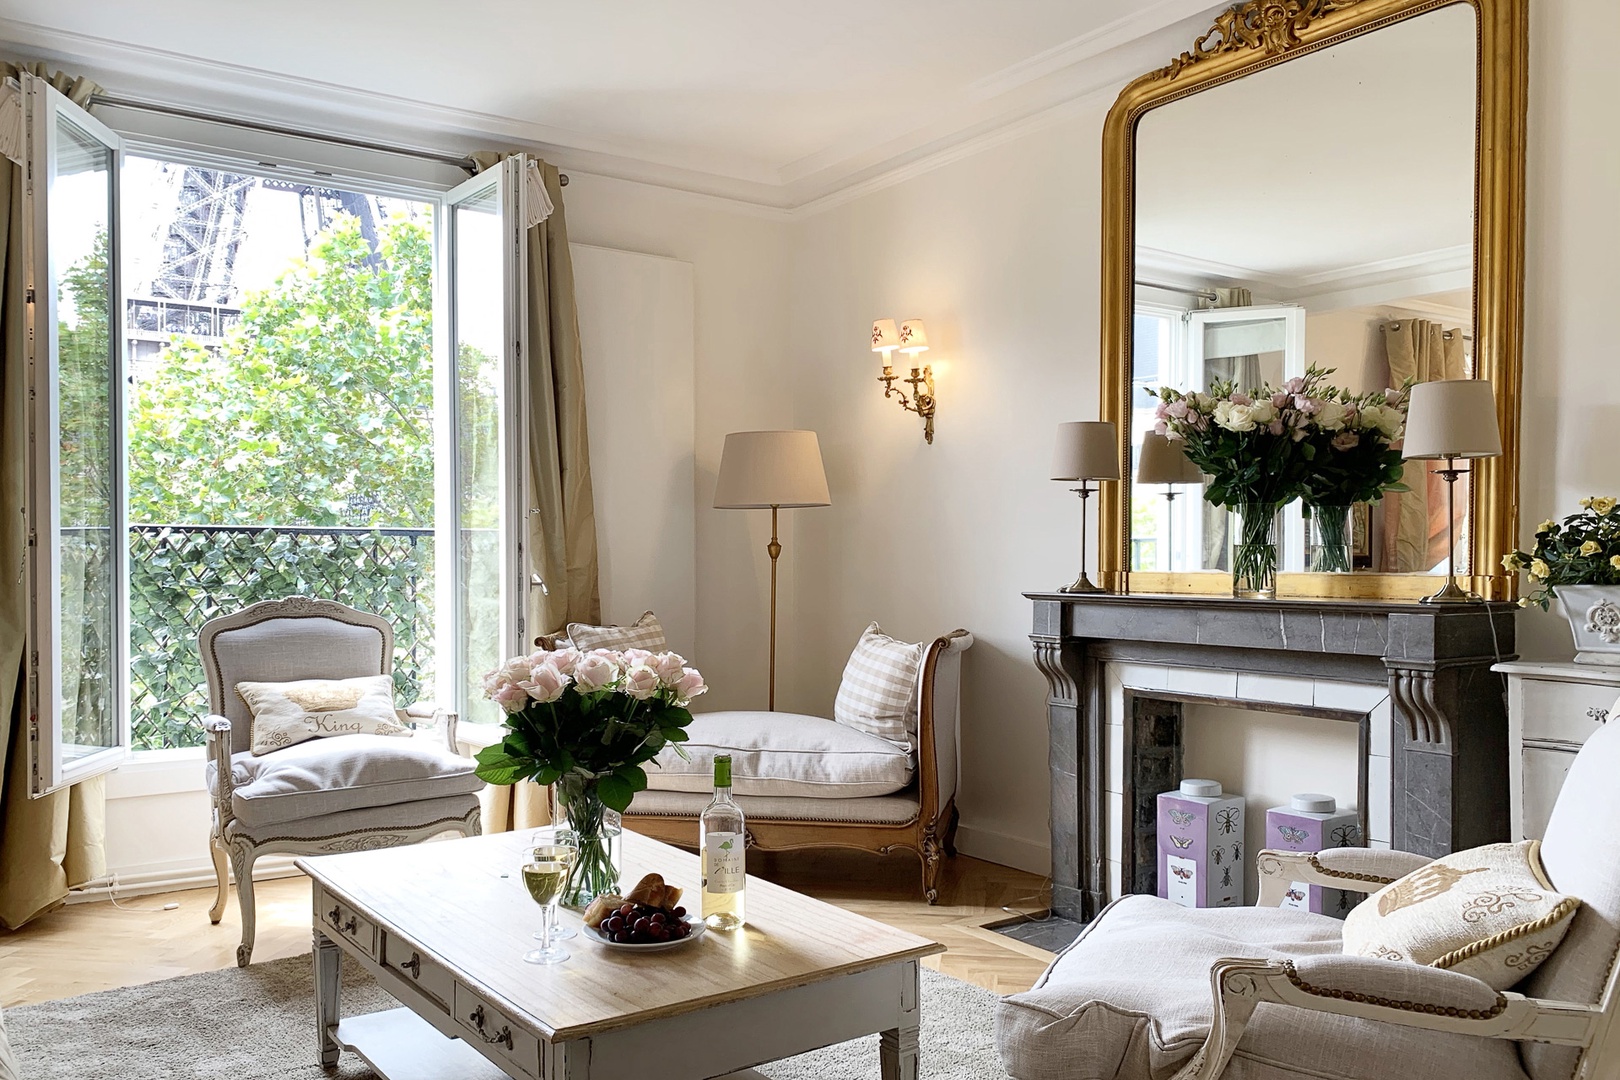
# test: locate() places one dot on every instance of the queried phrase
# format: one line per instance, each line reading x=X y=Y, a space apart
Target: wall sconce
x=910 y=339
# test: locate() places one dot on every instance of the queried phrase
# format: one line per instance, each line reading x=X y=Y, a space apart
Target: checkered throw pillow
x=644 y=633
x=879 y=692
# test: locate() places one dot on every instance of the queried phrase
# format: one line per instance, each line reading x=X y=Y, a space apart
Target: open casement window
x=483 y=499
x=78 y=716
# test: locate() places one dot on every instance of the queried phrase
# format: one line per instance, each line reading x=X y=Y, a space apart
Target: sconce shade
x=885 y=338
x=1162 y=461
x=1086 y=450
x=913 y=338
x=760 y=469
x=1452 y=418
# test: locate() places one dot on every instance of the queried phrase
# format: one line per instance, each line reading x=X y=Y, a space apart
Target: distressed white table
x=443 y=926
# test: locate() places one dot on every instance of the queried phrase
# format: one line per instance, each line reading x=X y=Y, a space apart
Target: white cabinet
x=1552 y=710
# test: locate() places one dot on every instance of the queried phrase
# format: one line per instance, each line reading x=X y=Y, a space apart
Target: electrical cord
x=112 y=894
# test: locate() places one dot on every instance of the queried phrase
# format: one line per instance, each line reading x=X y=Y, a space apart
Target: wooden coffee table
x=443 y=927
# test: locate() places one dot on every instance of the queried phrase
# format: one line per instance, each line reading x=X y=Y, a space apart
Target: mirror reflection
x=1318 y=213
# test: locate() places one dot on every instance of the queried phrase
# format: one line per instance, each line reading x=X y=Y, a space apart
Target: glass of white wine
x=548 y=835
x=545 y=875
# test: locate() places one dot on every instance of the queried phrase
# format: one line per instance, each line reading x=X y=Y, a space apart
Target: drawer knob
x=1600 y=715
x=502 y=1037
x=413 y=965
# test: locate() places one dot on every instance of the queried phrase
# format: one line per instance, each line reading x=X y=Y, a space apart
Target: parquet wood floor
x=86 y=947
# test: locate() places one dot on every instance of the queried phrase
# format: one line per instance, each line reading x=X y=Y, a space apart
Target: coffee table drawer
x=420 y=971
x=342 y=923
x=494 y=1032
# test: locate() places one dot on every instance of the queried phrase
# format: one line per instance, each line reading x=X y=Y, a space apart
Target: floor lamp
x=775 y=469
x=1451 y=419
x=1163 y=461
x=1086 y=450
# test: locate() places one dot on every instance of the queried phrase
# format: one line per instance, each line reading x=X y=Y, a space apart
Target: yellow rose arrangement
x=1583 y=549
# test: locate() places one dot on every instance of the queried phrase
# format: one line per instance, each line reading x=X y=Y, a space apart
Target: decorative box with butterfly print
x=1201 y=845
x=1314 y=823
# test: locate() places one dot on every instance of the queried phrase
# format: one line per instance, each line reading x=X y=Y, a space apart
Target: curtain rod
x=466 y=164
x=1208 y=294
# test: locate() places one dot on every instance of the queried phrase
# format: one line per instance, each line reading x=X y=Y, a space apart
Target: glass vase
x=599 y=834
x=1330 y=539
x=1254 y=551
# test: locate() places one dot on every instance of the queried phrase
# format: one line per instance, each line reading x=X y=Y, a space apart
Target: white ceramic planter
x=1593 y=612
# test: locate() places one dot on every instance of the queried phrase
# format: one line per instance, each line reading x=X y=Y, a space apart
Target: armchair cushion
x=878 y=693
x=1488 y=912
x=783 y=754
x=285 y=713
x=328 y=776
x=1131 y=998
x=645 y=633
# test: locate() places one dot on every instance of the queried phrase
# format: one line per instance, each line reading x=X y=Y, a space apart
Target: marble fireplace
x=1125 y=674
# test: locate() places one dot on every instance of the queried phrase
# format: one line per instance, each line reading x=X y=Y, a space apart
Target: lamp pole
x=774 y=550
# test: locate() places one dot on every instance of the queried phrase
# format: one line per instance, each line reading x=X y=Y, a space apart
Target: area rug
x=258 y=1023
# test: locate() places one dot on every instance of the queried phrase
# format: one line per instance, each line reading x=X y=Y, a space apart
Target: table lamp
x=1086 y=450
x=774 y=469
x=1451 y=419
x=1164 y=461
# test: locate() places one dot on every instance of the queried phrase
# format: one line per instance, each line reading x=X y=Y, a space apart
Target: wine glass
x=557 y=835
x=545 y=875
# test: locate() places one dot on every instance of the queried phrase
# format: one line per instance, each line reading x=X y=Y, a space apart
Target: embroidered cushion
x=878 y=694
x=644 y=633
x=1489 y=912
x=285 y=713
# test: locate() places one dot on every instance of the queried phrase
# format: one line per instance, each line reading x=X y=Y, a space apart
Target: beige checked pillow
x=878 y=694
x=286 y=713
x=1489 y=912
x=644 y=633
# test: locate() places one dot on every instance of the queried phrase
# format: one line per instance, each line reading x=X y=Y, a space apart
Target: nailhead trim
x=1348 y=874
x=1390 y=1003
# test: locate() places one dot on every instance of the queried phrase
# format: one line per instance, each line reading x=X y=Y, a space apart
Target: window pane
x=80 y=220
x=478 y=345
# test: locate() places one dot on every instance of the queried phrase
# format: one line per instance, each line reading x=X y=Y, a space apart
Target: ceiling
x=777 y=103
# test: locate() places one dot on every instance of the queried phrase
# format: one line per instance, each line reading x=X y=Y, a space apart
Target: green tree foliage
x=85 y=390
x=320 y=400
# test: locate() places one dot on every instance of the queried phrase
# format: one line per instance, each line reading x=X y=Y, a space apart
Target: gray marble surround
x=1447 y=709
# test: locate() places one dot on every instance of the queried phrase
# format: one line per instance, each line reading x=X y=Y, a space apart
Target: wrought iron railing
x=180 y=576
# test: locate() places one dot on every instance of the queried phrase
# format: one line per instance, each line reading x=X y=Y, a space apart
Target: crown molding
x=1440 y=264
x=1021 y=98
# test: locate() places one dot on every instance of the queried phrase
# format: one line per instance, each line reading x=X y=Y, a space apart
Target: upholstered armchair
x=324 y=795
x=1153 y=991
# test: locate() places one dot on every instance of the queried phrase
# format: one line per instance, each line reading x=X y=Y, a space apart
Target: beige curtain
x=1415 y=523
x=1244 y=373
x=561 y=537
x=49 y=845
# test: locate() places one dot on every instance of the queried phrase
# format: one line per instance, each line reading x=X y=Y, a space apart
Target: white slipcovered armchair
x=1153 y=991
x=326 y=795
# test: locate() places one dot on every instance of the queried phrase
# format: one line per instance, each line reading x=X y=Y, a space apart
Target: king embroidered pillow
x=285 y=713
x=1489 y=912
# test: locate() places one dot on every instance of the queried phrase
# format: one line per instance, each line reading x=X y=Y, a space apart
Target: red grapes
x=638 y=924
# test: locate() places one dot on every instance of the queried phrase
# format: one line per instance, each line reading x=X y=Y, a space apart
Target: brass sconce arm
x=920 y=402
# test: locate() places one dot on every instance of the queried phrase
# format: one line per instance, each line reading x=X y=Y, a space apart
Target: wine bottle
x=721 y=839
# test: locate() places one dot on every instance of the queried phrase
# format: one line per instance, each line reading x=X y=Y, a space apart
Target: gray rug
x=259 y=1024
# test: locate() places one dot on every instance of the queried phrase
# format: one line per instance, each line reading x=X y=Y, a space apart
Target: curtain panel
x=53 y=844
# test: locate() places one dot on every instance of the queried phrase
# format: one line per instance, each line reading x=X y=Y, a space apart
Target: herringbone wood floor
x=86 y=947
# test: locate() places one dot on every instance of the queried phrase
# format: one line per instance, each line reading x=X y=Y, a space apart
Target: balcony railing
x=180 y=576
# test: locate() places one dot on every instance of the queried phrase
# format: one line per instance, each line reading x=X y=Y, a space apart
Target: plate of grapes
x=649 y=918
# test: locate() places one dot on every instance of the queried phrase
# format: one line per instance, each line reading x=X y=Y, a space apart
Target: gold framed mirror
x=1336 y=183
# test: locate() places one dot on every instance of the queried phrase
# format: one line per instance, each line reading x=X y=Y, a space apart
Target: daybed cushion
x=783 y=754
x=899 y=809
x=878 y=693
x=1131 y=998
x=325 y=776
x=645 y=633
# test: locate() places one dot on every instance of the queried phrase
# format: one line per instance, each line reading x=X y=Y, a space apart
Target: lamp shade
x=1086 y=450
x=913 y=338
x=1452 y=418
x=771 y=468
x=1162 y=461
x=885 y=336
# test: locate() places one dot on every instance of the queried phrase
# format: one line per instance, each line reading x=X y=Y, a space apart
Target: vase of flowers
x=1577 y=562
x=1353 y=461
x=585 y=723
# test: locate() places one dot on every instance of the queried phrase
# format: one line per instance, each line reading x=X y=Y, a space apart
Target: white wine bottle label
x=723 y=869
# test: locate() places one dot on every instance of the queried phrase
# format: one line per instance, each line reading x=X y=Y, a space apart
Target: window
x=258 y=384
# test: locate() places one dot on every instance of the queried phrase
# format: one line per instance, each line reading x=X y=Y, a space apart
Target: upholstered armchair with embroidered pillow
x=1496 y=963
x=307 y=753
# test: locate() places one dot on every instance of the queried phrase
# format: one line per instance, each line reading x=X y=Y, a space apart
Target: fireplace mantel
x=1446 y=713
